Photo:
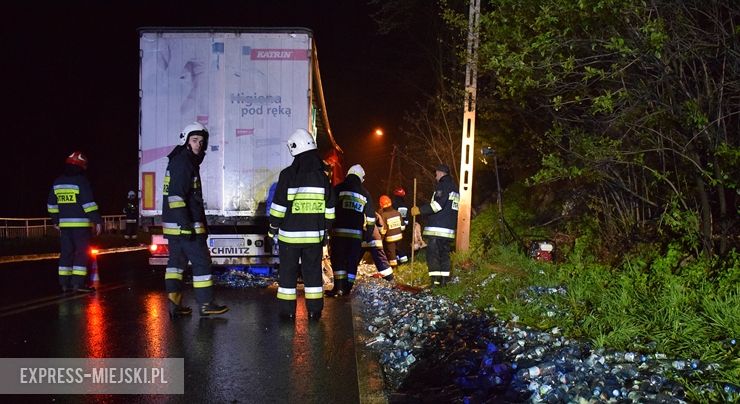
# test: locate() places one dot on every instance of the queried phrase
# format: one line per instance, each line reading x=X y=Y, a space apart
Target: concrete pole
x=468 y=131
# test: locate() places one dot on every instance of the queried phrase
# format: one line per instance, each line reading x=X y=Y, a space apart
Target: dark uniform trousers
x=196 y=251
x=438 y=259
x=310 y=266
x=346 y=253
x=73 y=256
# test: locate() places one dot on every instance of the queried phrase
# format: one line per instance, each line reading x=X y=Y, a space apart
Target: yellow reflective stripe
x=79 y=272
x=177 y=204
x=64 y=271
x=53 y=210
x=348 y=233
x=435 y=206
x=439 y=232
x=340 y=275
x=394 y=237
x=314 y=292
x=387 y=271
x=353 y=196
x=169 y=231
x=202 y=284
x=300 y=240
x=75 y=224
x=172 y=275
x=286 y=293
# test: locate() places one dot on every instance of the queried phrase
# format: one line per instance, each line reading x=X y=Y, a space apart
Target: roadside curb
x=369 y=376
x=8 y=259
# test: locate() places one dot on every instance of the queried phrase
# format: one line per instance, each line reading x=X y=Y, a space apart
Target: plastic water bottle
x=543 y=369
x=679 y=365
x=275 y=248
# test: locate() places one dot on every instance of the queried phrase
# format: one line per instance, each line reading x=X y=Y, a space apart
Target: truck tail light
x=159 y=249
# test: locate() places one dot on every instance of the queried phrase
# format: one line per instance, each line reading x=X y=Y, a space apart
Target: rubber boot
x=207 y=309
x=175 y=308
x=338 y=289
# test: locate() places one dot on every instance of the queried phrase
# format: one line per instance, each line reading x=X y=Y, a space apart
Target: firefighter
x=391 y=230
x=441 y=224
x=372 y=242
x=354 y=215
x=399 y=203
x=132 y=216
x=74 y=212
x=301 y=214
x=184 y=224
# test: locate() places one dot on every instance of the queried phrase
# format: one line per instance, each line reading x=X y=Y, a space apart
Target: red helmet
x=77 y=159
x=385 y=201
x=399 y=191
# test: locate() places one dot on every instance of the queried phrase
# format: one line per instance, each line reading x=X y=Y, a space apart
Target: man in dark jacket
x=300 y=215
x=391 y=229
x=399 y=204
x=184 y=224
x=132 y=216
x=441 y=225
x=354 y=215
x=74 y=212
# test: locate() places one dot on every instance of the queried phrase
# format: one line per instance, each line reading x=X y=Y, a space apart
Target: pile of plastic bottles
x=240 y=279
x=434 y=350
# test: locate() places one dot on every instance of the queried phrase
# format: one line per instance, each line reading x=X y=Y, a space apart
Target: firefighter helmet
x=385 y=201
x=300 y=141
x=194 y=128
x=131 y=195
x=358 y=171
x=399 y=191
x=77 y=159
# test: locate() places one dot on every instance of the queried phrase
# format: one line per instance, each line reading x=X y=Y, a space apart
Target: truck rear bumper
x=162 y=261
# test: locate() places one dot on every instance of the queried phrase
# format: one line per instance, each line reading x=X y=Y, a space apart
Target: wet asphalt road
x=247 y=355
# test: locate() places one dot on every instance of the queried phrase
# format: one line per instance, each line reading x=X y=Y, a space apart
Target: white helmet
x=300 y=141
x=131 y=194
x=358 y=171
x=190 y=129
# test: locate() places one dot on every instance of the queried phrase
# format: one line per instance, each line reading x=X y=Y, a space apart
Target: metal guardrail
x=33 y=227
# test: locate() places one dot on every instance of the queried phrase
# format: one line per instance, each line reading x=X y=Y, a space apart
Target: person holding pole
x=441 y=214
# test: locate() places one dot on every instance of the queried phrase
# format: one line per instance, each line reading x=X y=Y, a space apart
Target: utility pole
x=468 y=132
x=390 y=171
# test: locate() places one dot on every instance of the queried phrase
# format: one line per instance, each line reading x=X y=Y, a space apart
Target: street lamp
x=378 y=132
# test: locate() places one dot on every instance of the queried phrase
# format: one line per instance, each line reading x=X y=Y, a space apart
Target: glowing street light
x=378 y=132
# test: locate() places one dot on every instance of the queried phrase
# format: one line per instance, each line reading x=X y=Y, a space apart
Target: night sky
x=71 y=77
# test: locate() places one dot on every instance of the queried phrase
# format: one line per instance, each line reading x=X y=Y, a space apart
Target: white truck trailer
x=251 y=87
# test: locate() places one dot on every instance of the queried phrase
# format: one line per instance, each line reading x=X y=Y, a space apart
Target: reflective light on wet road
x=96 y=337
x=156 y=309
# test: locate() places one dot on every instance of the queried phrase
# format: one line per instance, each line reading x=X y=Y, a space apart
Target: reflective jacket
x=441 y=212
x=371 y=237
x=70 y=202
x=183 y=210
x=302 y=208
x=400 y=205
x=131 y=211
x=392 y=224
x=355 y=212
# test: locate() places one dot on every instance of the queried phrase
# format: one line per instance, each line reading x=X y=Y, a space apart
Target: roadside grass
x=654 y=301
